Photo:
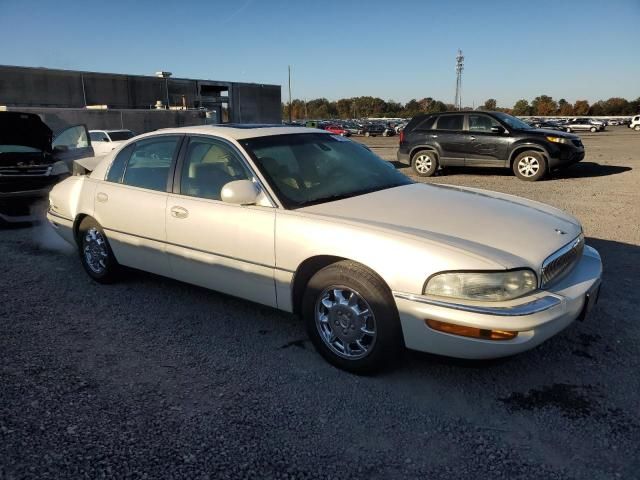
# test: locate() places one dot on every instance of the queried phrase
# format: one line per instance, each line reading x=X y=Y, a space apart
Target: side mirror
x=497 y=129
x=240 y=192
x=60 y=148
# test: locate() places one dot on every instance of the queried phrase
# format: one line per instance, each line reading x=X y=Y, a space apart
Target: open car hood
x=25 y=129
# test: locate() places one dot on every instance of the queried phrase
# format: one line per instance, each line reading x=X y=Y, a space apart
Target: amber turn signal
x=470 y=331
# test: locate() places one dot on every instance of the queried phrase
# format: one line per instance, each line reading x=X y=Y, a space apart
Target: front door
x=450 y=136
x=71 y=144
x=214 y=244
x=483 y=147
x=131 y=204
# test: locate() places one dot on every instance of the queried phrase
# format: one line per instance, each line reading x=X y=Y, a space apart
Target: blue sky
x=396 y=50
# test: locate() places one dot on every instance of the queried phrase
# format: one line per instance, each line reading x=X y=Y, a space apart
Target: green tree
x=544 y=105
x=581 y=107
x=522 y=108
x=491 y=104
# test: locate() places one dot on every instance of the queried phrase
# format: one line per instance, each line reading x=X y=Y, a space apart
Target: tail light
x=401 y=136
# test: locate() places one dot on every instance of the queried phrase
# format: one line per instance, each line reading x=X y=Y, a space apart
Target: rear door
x=131 y=203
x=484 y=148
x=71 y=144
x=450 y=135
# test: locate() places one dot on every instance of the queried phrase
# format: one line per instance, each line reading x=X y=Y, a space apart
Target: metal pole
x=84 y=94
x=166 y=83
x=290 y=118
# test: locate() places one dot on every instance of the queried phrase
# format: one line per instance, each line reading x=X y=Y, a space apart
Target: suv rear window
x=426 y=124
x=450 y=122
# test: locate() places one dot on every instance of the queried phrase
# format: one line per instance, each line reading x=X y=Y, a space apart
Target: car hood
x=510 y=231
x=555 y=133
x=25 y=129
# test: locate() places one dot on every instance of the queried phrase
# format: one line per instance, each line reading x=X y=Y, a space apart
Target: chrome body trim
x=529 y=308
x=562 y=261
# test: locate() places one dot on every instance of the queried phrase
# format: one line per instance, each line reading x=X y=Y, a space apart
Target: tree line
x=543 y=105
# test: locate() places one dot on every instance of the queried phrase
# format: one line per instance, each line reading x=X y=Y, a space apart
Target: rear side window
x=150 y=162
x=450 y=122
x=116 y=170
x=426 y=124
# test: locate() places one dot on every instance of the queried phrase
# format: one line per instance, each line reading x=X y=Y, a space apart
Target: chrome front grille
x=25 y=171
x=562 y=262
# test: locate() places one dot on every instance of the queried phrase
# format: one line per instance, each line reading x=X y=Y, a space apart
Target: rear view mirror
x=240 y=192
x=497 y=129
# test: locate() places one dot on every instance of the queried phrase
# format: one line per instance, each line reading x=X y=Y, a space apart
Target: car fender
x=518 y=147
x=300 y=237
x=433 y=147
x=73 y=199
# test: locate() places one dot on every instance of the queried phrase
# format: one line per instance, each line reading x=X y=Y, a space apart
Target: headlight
x=487 y=286
x=559 y=140
x=59 y=168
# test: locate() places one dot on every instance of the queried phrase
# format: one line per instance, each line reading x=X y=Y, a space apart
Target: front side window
x=208 y=166
x=482 y=123
x=311 y=168
x=450 y=122
x=512 y=121
x=98 y=137
x=150 y=162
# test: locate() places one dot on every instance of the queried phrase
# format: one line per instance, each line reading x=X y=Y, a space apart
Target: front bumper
x=19 y=195
x=566 y=156
x=536 y=317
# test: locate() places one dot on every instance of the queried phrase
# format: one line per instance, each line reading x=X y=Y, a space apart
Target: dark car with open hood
x=32 y=160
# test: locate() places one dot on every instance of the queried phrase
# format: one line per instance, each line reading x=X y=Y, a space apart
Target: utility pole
x=459 y=69
x=290 y=118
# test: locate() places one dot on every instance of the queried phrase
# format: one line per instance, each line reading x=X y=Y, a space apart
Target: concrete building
x=140 y=103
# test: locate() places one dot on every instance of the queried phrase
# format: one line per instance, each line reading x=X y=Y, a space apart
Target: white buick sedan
x=315 y=224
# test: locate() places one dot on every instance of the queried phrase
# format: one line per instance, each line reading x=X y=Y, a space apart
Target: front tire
x=95 y=252
x=593 y=129
x=637 y=128
x=351 y=318
x=424 y=163
x=530 y=166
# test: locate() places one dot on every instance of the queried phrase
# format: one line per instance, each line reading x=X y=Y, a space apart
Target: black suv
x=485 y=139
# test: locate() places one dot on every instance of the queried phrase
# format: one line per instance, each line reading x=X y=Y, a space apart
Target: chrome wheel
x=528 y=166
x=423 y=163
x=94 y=248
x=345 y=322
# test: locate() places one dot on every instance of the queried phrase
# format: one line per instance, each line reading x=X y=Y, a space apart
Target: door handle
x=433 y=136
x=102 y=197
x=179 y=212
x=472 y=137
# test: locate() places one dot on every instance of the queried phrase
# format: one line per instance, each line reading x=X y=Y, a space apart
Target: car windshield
x=311 y=168
x=120 y=136
x=513 y=122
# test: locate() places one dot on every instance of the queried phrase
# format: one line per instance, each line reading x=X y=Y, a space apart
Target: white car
x=635 y=123
x=316 y=224
x=104 y=141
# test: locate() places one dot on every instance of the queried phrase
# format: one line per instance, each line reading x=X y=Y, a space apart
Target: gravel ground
x=151 y=378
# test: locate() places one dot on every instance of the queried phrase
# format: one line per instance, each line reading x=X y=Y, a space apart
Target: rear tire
x=593 y=129
x=424 y=163
x=95 y=252
x=351 y=318
x=530 y=166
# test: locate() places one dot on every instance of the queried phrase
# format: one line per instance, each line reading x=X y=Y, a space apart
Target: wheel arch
x=417 y=148
x=76 y=224
x=309 y=267
x=523 y=148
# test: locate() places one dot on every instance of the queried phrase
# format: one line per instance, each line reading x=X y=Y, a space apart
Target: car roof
x=237 y=131
x=110 y=130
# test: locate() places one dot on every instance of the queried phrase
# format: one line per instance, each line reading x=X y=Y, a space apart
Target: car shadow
x=588 y=169
x=579 y=170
